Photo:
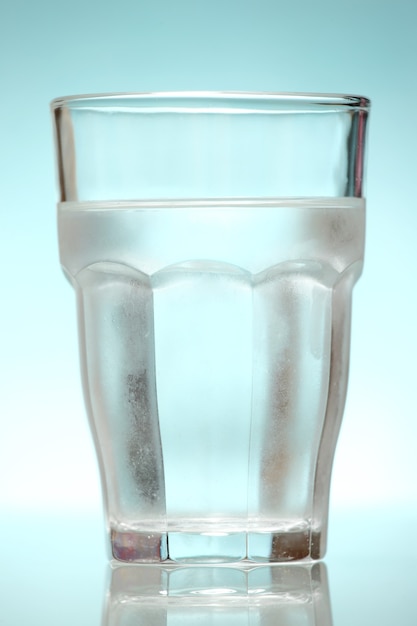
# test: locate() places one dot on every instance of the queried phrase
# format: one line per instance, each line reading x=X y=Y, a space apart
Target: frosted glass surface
x=215 y=344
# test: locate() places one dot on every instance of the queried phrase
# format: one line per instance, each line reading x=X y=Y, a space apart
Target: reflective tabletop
x=55 y=571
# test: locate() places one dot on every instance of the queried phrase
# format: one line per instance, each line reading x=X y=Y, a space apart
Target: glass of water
x=213 y=240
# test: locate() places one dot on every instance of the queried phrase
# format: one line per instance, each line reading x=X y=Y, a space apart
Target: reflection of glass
x=219 y=596
x=213 y=241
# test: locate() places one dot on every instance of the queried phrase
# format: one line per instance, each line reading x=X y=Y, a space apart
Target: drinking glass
x=213 y=240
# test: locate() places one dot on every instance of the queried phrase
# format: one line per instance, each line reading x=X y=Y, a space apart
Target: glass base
x=212 y=548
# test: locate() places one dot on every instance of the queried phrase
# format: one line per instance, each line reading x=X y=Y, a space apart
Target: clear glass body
x=213 y=241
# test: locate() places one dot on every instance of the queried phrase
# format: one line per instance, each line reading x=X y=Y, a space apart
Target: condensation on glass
x=213 y=241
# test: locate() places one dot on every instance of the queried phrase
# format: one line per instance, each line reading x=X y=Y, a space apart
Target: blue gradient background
x=48 y=49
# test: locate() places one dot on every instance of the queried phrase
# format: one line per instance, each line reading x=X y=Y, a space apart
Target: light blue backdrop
x=53 y=48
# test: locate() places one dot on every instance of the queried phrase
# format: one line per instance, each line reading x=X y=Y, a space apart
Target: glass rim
x=216 y=101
